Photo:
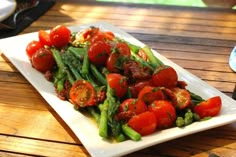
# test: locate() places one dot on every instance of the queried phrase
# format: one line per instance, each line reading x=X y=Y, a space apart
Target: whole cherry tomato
x=210 y=107
x=117 y=83
x=32 y=47
x=134 y=105
x=123 y=49
x=43 y=60
x=98 y=52
x=165 y=76
x=144 y=123
x=164 y=112
x=60 y=36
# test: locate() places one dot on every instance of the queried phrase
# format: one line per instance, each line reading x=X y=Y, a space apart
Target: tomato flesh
x=209 y=108
x=183 y=97
x=82 y=94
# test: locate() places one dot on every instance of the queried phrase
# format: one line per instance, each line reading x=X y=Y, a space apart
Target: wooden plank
x=34 y=124
x=38 y=147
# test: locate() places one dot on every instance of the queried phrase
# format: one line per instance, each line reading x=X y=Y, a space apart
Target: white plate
x=7 y=7
x=86 y=130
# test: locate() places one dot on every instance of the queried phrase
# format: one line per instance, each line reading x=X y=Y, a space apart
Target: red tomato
x=82 y=94
x=87 y=34
x=123 y=49
x=32 y=47
x=118 y=84
x=97 y=37
x=210 y=107
x=133 y=105
x=44 y=38
x=43 y=60
x=98 y=52
x=112 y=63
x=149 y=94
x=183 y=97
x=60 y=36
x=109 y=35
x=144 y=123
x=164 y=112
x=165 y=76
x=138 y=86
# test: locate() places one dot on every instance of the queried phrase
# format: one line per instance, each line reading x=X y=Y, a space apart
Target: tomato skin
x=117 y=83
x=149 y=94
x=32 y=47
x=165 y=113
x=111 y=62
x=43 y=60
x=44 y=38
x=210 y=107
x=82 y=94
x=183 y=97
x=165 y=76
x=98 y=52
x=133 y=105
x=123 y=49
x=144 y=123
x=60 y=36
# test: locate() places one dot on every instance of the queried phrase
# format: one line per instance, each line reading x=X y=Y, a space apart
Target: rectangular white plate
x=87 y=132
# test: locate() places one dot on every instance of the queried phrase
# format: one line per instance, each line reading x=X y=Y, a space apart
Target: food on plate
x=127 y=90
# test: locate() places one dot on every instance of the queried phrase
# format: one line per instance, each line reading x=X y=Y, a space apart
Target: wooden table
x=198 y=39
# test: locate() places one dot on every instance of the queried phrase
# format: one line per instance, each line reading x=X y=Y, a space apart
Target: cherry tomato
x=32 y=47
x=164 y=112
x=98 y=52
x=60 y=36
x=149 y=94
x=210 y=107
x=112 y=63
x=82 y=94
x=133 y=105
x=43 y=60
x=109 y=35
x=123 y=49
x=97 y=37
x=118 y=84
x=183 y=97
x=165 y=76
x=44 y=38
x=87 y=34
x=138 y=86
x=144 y=123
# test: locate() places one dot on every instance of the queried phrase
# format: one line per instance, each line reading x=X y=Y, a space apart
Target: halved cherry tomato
x=44 y=38
x=82 y=94
x=149 y=94
x=183 y=97
x=60 y=36
x=32 y=47
x=164 y=112
x=138 y=86
x=210 y=107
x=118 y=84
x=123 y=49
x=165 y=76
x=113 y=64
x=98 y=52
x=101 y=36
x=133 y=105
x=144 y=123
x=43 y=60
x=87 y=34
x=109 y=35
